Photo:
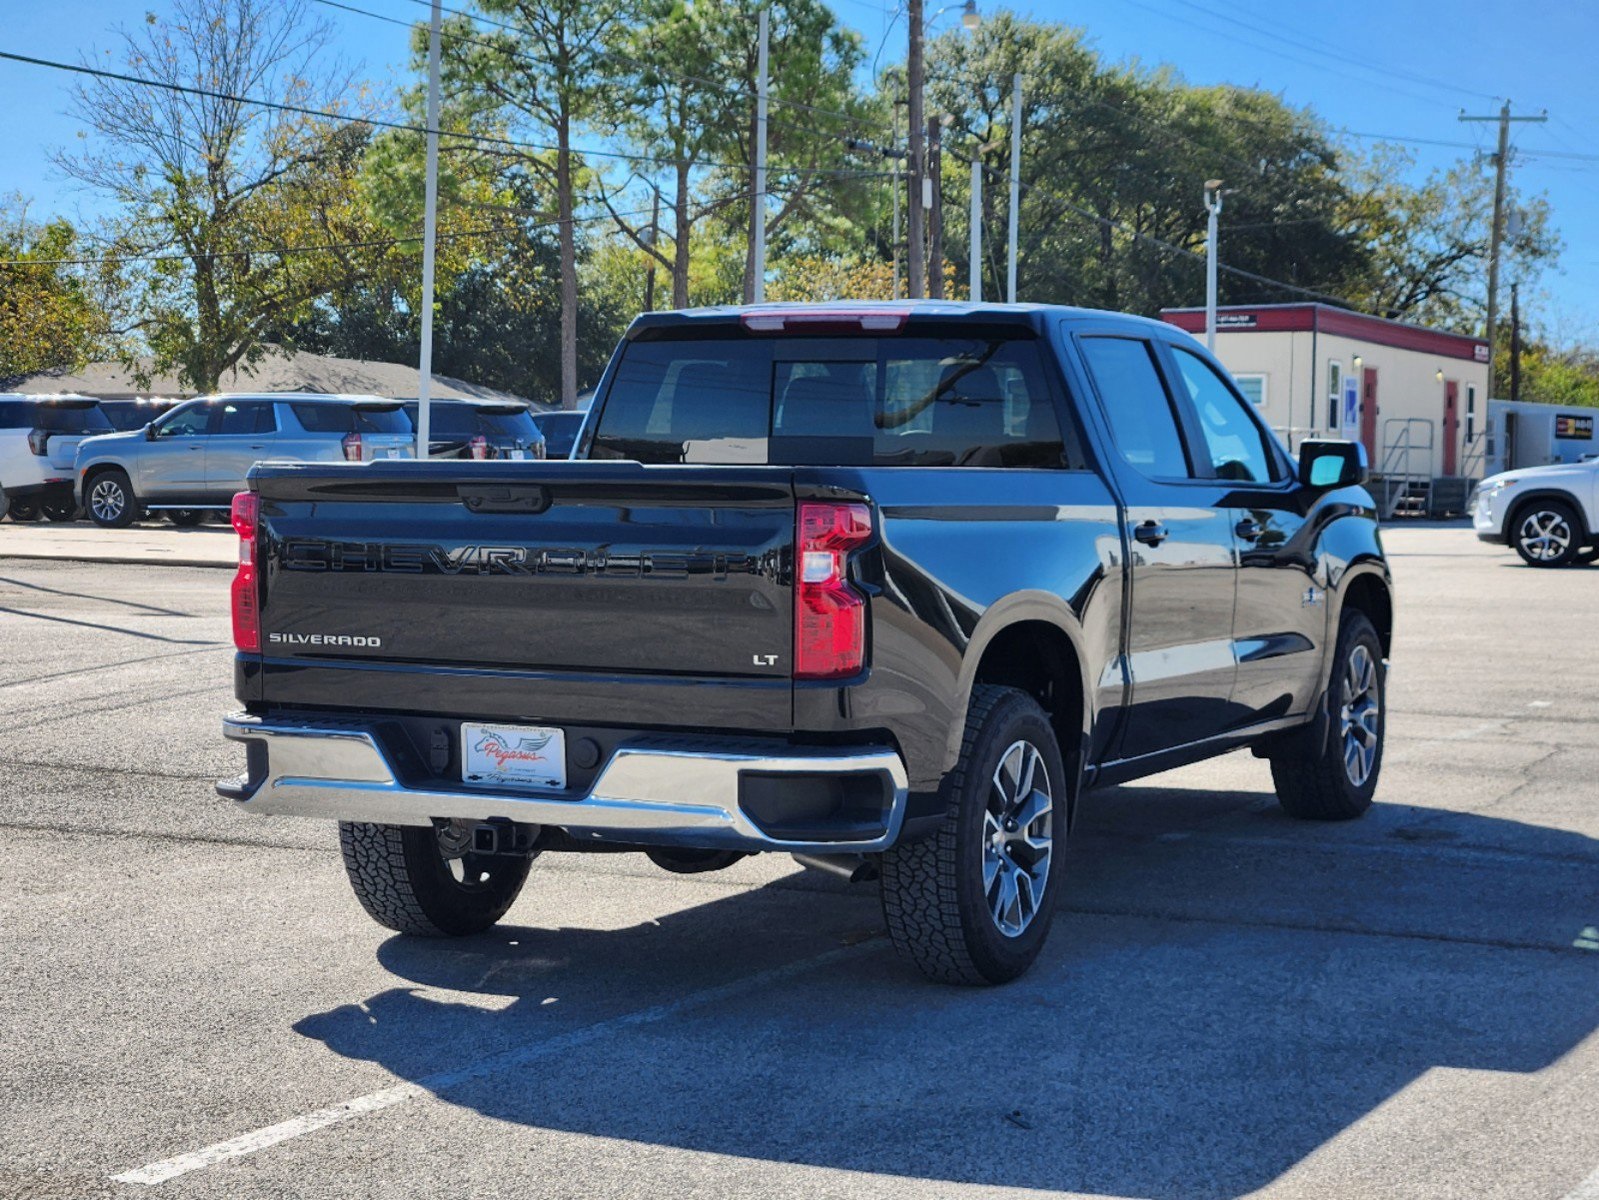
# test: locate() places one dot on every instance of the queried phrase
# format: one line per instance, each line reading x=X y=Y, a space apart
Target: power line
x=380 y=123
x=277 y=251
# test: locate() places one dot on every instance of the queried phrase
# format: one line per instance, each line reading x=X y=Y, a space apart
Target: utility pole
x=758 y=273
x=1213 y=208
x=430 y=233
x=1496 y=236
x=975 y=265
x=899 y=181
x=1015 y=185
x=935 y=172
x=655 y=235
x=914 y=226
x=1515 y=343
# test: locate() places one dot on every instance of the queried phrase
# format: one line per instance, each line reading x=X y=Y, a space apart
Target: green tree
x=51 y=316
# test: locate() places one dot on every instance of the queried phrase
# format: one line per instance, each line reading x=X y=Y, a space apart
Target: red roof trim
x=1323 y=318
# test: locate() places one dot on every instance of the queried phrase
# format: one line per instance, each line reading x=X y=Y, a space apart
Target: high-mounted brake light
x=821 y=320
x=480 y=446
x=352 y=447
x=246 y=591
x=829 y=614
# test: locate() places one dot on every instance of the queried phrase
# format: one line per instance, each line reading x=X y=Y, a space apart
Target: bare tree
x=235 y=189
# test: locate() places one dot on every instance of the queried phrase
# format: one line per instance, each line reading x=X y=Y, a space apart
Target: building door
x=1368 y=414
x=1451 y=423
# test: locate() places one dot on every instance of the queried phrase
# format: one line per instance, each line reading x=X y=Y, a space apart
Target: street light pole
x=1015 y=185
x=430 y=231
x=758 y=270
x=1213 y=208
x=916 y=264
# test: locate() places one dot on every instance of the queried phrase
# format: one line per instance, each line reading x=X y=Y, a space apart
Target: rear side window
x=927 y=402
x=53 y=417
x=351 y=418
x=247 y=417
x=1143 y=422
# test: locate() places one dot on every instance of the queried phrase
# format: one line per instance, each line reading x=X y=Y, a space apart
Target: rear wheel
x=111 y=502
x=186 y=518
x=23 y=510
x=973 y=903
x=1547 y=533
x=59 y=510
x=426 y=880
x=1334 y=778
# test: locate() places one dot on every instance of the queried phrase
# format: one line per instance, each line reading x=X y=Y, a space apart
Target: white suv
x=39 y=438
x=1549 y=515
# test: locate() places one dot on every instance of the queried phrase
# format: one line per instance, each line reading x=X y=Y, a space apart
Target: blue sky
x=1393 y=67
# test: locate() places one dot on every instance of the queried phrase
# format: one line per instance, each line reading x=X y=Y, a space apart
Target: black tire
x=110 y=500
x=1546 y=533
x=59 y=510
x=404 y=882
x=186 y=518
x=23 y=510
x=1314 y=778
x=938 y=911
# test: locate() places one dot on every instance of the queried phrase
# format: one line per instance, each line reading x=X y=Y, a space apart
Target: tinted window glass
x=699 y=401
x=246 y=417
x=1142 y=420
x=888 y=402
x=1233 y=443
x=507 y=423
x=53 y=417
x=185 y=422
x=560 y=432
x=352 y=418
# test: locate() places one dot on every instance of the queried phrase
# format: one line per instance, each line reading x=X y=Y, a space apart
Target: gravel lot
x=1234 y=1003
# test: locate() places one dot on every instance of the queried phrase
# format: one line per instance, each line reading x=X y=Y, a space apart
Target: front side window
x=185 y=422
x=1143 y=423
x=1233 y=442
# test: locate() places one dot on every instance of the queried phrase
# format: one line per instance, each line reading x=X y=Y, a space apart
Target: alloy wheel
x=1018 y=838
x=1359 y=714
x=107 y=500
x=1544 y=535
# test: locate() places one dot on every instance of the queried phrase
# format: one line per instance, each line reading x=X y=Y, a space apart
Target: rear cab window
x=890 y=401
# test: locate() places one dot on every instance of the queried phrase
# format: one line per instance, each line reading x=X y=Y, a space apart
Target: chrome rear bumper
x=653 y=791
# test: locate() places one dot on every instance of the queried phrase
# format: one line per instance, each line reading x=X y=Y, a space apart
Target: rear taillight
x=829 y=614
x=38 y=441
x=480 y=446
x=352 y=447
x=246 y=593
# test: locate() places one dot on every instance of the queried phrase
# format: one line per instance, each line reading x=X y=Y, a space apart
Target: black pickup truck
x=885 y=587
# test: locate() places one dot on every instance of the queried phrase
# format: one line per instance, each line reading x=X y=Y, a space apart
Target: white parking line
x=1588 y=1189
x=271 y=1135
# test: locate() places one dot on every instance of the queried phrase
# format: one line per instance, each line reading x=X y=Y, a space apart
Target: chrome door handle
x=1151 y=533
x=1249 y=530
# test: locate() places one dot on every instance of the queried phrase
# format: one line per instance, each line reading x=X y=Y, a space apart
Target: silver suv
x=194 y=457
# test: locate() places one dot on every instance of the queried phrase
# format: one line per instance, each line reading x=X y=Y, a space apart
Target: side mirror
x=1325 y=464
x=149 y=432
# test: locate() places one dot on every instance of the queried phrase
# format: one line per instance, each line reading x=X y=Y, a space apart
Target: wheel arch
x=1368 y=589
x=1518 y=506
x=1032 y=641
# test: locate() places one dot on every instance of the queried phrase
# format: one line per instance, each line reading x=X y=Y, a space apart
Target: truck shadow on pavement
x=1228 y=991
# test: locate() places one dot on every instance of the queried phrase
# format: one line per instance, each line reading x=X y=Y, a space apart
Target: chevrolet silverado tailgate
x=597 y=591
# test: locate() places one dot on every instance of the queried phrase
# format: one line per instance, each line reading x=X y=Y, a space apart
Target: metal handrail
x=1399 y=466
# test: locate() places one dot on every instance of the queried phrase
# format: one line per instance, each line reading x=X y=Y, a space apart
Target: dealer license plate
x=522 y=755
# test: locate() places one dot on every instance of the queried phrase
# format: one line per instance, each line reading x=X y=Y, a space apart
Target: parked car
x=560 y=431
x=887 y=588
x=193 y=458
x=39 y=438
x=1548 y=515
x=134 y=414
x=480 y=429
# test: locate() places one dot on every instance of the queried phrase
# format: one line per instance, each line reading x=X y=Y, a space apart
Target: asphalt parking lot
x=1234 y=1003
